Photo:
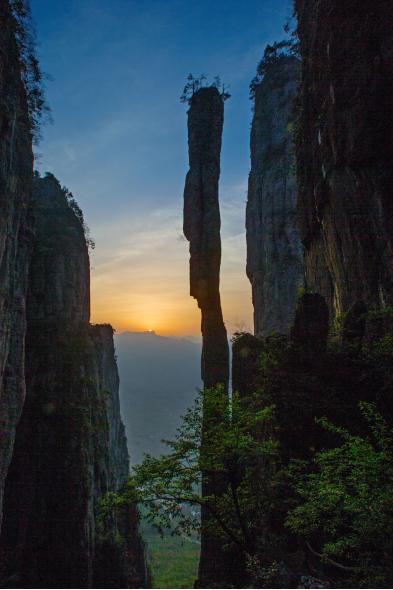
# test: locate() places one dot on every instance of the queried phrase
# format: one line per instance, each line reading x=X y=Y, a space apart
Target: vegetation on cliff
x=306 y=468
x=32 y=76
x=194 y=84
x=346 y=499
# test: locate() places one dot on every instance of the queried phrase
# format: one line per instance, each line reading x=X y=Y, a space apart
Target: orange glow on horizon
x=183 y=321
x=140 y=281
x=165 y=316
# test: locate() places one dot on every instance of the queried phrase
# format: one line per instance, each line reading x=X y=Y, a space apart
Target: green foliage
x=338 y=503
x=273 y=353
x=194 y=84
x=273 y=54
x=376 y=314
x=73 y=205
x=169 y=487
x=346 y=506
x=32 y=76
x=173 y=560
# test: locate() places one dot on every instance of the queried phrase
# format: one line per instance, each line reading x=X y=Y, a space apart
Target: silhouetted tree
x=32 y=76
x=273 y=54
x=194 y=84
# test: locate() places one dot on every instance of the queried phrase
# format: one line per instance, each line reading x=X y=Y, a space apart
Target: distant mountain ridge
x=159 y=378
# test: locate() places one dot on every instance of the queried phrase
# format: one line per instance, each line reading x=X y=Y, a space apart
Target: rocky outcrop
x=303 y=379
x=16 y=170
x=59 y=283
x=119 y=553
x=246 y=353
x=345 y=150
x=311 y=326
x=70 y=447
x=274 y=252
x=202 y=230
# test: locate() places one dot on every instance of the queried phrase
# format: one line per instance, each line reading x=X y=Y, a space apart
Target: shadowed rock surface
x=246 y=359
x=274 y=251
x=202 y=230
x=70 y=446
x=305 y=379
x=311 y=326
x=16 y=170
x=345 y=150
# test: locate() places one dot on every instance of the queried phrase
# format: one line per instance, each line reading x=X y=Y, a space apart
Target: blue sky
x=119 y=141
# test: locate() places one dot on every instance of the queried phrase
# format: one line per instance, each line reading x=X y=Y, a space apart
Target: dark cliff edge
x=70 y=447
x=274 y=251
x=325 y=367
x=202 y=229
x=16 y=171
x=345 y=149
x=307 y=377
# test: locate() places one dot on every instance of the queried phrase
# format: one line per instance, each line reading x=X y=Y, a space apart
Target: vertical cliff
x=274 y=253
x=345 y=150
x=202 y=230
x=70 y=446
x=16 y=170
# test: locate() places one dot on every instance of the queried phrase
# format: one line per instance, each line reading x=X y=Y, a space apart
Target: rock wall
x=345 y=149
x=305 y=379
x=70 y=446
x=16 y=169
x=202 y=230
x=274 y=251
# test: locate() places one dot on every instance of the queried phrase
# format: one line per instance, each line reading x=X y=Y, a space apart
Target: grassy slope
x=173 y=561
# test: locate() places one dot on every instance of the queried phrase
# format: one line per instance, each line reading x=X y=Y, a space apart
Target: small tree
x=74 y=206
x=169 y=486
x=194 y=84
x=272 y=55
x=346 y=503
x=32 y=76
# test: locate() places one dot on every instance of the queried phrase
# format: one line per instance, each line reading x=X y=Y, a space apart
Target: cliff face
x=16 y=168
x=70 y=446
x=305 y=379
x=119 y=553
x=202 y=230
x=345 y=149
x=59 y=285
x=274 y=252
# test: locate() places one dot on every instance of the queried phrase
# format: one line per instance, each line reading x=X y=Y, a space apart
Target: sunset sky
x=119 y=142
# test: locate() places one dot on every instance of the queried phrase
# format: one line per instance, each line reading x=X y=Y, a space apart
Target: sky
x=119 y=142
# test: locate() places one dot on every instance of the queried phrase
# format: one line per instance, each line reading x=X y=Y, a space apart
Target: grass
x=173 y=561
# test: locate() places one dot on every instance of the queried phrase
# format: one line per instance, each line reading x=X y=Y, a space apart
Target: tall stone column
x=202 y=230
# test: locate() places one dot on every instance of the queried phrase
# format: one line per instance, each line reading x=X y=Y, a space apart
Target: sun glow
x=140 y=282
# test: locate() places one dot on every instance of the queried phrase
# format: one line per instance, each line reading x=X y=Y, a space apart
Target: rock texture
x=304 y=380
x=16 y=170
x=246 y=359
x=345 y=150
x=274 y=251
x=202 y=230
x=70 y=446
x=311 y=326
